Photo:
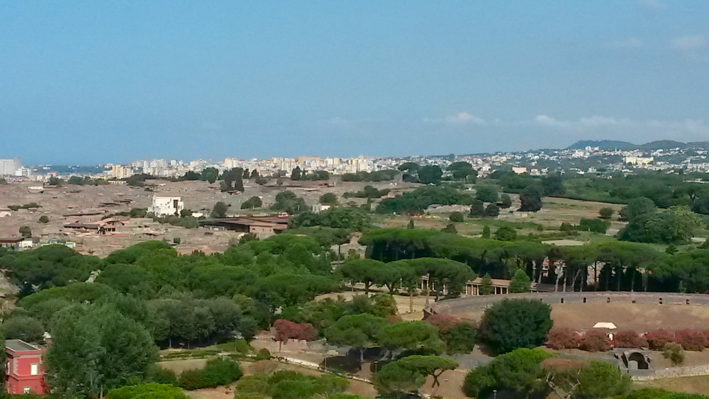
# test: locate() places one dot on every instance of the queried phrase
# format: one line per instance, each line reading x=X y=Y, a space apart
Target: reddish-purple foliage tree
x=563 y=338
x=657 y=339
x=444 y=322
x=629 y=339
x=595 y=341
x=691 y=340
x=286 y=329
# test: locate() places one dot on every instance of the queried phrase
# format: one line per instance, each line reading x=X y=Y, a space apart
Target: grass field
x=544 y=223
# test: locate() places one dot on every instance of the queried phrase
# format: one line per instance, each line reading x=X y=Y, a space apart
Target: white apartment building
x=165 y=206
x=8 y=167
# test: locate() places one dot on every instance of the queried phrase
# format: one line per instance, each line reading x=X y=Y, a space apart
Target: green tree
x=450 y=228
x=411 y=226
x=486 y=287
x=409 y=167
x=328 y=199
x=366 y=271
x=531 y=199
x=553 y=185
x=486 y=232
x=189 y=175
x=287 y=201
x=233 y=180
x=486 y=193
x=456 y=217
x=43 y=219
x=219 y=210
x=594 y=225
x=492 y=210
x=460 y=338
x=506 y=233
x=209 y=175
x=394 y=380
x=295 y=174
x=462 y=170
x=25 y=328
x=430 y=174
x=674 y=225
x=638 y=207
x=505 y=201
x=95 y=348
x=516 y=323
x=429 y=365
x=520 y=282
x=605 y=213
x=358 y=331
x=518 y=372
x=410 y=336
x=251 y=203
x=25 y=232
x=477 y=209
x=579 y=379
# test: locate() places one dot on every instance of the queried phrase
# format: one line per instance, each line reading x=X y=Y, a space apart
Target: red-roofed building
x=24 y=368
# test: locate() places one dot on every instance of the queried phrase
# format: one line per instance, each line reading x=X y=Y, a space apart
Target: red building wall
x=18 y=372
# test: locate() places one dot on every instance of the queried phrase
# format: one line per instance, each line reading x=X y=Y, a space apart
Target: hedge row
x=597 y=340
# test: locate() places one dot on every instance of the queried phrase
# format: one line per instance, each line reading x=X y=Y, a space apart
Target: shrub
x=160 y=375
x=629 y=339
x=456 y=217
x=595 y=341
x=492 y=210
x=444 y=322
x=563 y=338
x=43 y=219
x=691 y=340
x=605 y=213
x=657 y=339
x=659 y=393
x=674 y=352
x=460 y=338
x=152 y=390
x=216 y=372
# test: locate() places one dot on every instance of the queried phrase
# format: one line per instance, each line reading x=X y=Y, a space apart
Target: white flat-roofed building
x=163 y=206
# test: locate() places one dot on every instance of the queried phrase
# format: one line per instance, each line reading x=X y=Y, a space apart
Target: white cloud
x=591 y=126
x=465 y=118
x=628 y=43
x=654 y=5
x=690 y=42
x=548 y=120
x=459 y=119
x=598 y=120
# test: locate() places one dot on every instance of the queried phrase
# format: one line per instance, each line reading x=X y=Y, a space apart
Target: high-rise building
x=121 y=172
x=8 y=167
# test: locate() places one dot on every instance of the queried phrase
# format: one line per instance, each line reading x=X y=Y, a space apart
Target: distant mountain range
x=624 y=145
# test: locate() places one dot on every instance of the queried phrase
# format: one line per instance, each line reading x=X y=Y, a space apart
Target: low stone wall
x=460 y=305
x=671 y=372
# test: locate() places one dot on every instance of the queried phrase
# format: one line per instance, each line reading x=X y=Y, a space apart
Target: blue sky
x=88 y=82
